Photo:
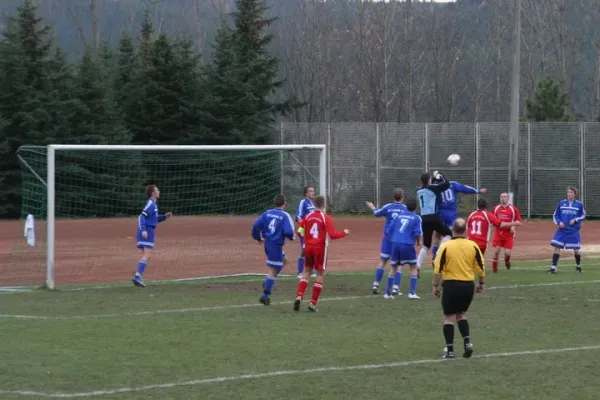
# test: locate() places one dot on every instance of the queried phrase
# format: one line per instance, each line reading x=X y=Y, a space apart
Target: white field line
x=249 y=305
x=273 y=374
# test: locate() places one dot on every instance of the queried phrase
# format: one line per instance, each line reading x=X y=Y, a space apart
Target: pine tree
x=549 y=103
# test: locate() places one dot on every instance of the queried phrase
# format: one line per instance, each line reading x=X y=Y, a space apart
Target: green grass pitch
x=536 y=336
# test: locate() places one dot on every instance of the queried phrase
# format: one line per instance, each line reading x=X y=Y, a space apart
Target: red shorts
x=504 y=240
x=482 y=244
x=314 y=257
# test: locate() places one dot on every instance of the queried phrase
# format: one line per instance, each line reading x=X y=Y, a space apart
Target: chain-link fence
x=367 y=160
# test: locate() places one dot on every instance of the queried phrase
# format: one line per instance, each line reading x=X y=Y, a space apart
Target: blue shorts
x=147 y=243
x=275 y=255
x=448 y=219
x=566 y=239
x=386 y=248
x=403 y=254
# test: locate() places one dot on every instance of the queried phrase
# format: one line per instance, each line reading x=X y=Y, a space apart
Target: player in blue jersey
x=305 y=207
x=272 y=228
x=405 y=233
x=147 y=222
x=390 y=211
x=448 y=208
x=427 y=198
x=568 y=217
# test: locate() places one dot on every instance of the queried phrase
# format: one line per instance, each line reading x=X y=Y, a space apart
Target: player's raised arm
x=288 y=227
x=257 y=228
x=164 y=217
x=333 y=234
x=466 y=189
x=378 y=212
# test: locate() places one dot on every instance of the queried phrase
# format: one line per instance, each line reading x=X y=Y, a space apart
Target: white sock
x=422 y=255
x=446 y=238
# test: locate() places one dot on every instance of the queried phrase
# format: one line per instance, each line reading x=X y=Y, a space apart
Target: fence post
x=426 y=140
x=281 y=138
x=529 y=167
x=329 y=162
x=582 y=162
x=377 y=164
x=477 y=147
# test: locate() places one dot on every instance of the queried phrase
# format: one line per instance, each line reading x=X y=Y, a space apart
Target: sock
x=422 y=255
x=316 y=292
x=555 y=258
x=463 y=327
x=390 y=283
x=495 y=263
x=397 y=279
x=269 y=282
x=413 y=284
x=434 y=250
x=578 y=259
x=302 y=285
x=300 y=265
x=378 y=275
x=506 y=259
x=449 y=336
x=141 y=268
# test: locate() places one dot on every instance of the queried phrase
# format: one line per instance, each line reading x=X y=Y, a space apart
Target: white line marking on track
x=248 y=305
x=233 y=378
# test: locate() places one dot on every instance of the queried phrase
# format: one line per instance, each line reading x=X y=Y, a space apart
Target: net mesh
x=214 y=196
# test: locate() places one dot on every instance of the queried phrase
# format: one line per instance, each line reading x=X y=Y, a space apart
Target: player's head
x=398 y=194
x=459 y=227
x=279 y=201
x=572 y=193
x=425 y=179
x=320 y=203
x=504 y=199
x=411 y=204
x=309 y=192
x=482 y=204
x=152 y=192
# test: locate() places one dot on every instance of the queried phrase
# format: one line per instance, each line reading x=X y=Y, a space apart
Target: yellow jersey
x=458 y=259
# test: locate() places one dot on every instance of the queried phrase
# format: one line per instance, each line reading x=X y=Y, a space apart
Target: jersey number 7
x=404 y=222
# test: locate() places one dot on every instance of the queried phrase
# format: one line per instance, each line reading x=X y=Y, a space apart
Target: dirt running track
x=99 y=251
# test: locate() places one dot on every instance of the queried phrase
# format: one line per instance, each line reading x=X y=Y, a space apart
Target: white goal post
x=51 y=166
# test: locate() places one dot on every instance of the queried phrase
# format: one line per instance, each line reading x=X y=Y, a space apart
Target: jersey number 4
x=272 y=225
x=314 y=231
x=476 y=228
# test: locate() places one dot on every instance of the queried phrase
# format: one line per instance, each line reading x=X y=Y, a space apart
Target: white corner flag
x=29 y=231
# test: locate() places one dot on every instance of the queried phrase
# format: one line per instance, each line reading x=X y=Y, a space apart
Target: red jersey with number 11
x=317 y=226
x=478 y=225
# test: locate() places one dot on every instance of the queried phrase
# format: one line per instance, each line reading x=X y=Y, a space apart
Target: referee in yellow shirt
x=456 y=262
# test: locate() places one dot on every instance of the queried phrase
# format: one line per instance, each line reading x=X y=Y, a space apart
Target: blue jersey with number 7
x=274 y=226
x=405 y=228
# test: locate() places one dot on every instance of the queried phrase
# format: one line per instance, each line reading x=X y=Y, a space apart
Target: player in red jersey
x=504 y=237
x=318 y=229
x=480 y=222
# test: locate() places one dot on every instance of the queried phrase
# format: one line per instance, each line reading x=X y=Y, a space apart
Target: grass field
x=536 y=336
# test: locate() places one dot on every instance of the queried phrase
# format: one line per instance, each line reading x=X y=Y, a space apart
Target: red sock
x=316 y=292
x=302 y=288
x=495 y=264
x=506 y=259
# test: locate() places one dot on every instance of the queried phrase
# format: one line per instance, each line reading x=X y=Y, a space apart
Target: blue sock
x=141 y=267
x=300 y=265
x=269 y=282
x=413 y=284
x=434 y=250
x=555 y=258
x=398 y=278
x=388 y=288
x=379 y=274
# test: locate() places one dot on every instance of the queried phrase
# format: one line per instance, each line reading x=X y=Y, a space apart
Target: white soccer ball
x=453 y=159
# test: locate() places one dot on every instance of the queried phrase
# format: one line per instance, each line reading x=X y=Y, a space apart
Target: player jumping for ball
x=390 y=211
x=147 y=223
x=568 y=217
x=318 y=229
x=504 y=238
x=480 y=222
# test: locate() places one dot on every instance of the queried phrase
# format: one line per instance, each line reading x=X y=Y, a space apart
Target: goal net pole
x=51 y=178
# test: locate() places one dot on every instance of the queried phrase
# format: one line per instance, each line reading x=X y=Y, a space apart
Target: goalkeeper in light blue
x=147 y=223
x=272 y=228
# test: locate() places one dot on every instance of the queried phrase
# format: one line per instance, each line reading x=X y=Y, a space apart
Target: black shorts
x=457 y=296
x=433 y=223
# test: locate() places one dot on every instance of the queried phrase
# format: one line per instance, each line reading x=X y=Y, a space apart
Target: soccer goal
x=86 y=199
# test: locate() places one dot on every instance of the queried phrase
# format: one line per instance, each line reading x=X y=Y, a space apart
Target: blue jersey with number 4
x=448 y=201
x=390 y=211
x=405 y=229
x=274 y=226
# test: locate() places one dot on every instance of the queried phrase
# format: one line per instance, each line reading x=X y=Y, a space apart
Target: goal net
x=86 y=199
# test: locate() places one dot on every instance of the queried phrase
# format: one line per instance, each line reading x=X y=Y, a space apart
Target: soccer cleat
x=495 y=270
x=312 y=307
x=396 y=292
x=300 y=276
x=297 y=304
x=388 y=297
x=468 y=350
x=507 y=265
x=448 y=355
x=138 y=281
x=375 y=289
x=578 y=269
x=552 y=269
x=265 y=300
x=413 y=296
